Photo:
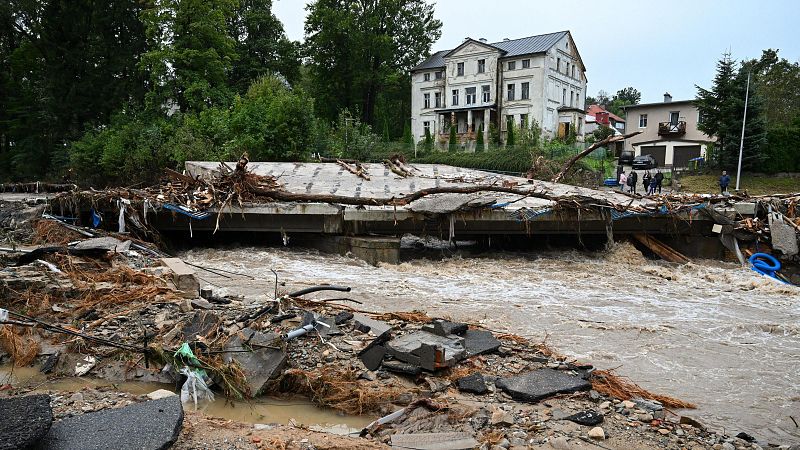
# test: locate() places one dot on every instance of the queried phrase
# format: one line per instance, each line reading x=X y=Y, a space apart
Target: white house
x=538 y=78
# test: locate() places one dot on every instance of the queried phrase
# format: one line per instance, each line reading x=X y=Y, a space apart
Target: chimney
x=482 y=40
x=667 y=97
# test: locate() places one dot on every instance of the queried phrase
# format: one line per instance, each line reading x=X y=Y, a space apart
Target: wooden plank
x=661 y=249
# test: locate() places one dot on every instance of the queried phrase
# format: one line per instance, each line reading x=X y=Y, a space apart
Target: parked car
x=626 y=157
x=644 y=162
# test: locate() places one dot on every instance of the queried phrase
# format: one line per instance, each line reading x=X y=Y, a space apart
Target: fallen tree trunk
x=661 y=249
x=588 y=150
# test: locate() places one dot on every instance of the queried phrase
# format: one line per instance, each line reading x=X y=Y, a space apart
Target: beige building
x=669 y=132
x=538 y=78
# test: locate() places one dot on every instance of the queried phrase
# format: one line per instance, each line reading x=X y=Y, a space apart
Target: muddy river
x=707 y=332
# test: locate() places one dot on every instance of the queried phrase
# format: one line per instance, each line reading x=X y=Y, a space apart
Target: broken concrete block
x=86 y=364
x=201 y=303
x=540 y=384
x=183 y=277
x=154 y=424
x=427 y=350
x=784 y=238
x=472 y=383
x=159 y=394
x=265 y=362
x=373 y=357
x=445 y=327
x=478 y=342
x=201 y=324
x=435 y=441
x=376 y=327
x=24 y=421
x=107 y=243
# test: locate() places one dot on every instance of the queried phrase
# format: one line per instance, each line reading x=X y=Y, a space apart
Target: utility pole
x=741 y=142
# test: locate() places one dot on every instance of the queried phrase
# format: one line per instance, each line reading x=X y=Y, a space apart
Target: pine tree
x=408 y=139
x=510 y=139
x=451 y=146
x=479 y=144
x=385 y=131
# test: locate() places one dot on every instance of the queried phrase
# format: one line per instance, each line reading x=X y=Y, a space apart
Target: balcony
x=672 y=129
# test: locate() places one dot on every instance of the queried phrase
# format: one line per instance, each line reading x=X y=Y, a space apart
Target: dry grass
x=339 y=389
x=407 y=316
x=608 y=383
x=20 y=344
x=50 y=232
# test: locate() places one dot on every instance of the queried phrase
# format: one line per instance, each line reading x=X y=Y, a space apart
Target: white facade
x=538 y=78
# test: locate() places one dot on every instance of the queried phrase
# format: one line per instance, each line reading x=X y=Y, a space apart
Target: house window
x=523 y=120
x=439 y=75
x=511 y=92
x=512 y=65
x=487 y=96
x=427 y=126
x=455 y=98
x=526 y=63
x=427 y=76
x=471 y=95
x=437 y=99
x=460 y=68
x=481 y=65
x=526 y=91
x=674 y=117
x=642 y=120
x=566 y=72
x=578 y=100
x=564 y=97
x=558 y=64
x=571 y=95
x=427 y=100
x=573 y=71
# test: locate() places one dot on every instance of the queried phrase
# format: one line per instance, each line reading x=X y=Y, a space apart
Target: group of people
x=650 y=182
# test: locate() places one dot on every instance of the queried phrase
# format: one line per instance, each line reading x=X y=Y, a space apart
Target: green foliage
x=357 y=50
x=428 y=143
x=408 y=138
x=386 y=131
x=778 y=84
x=628 y=96
x=453 y=141
x=535 y=134
x=501 y=159
x=479 y=144
x=352 y=138
x=510 y=138
x=782 y=153
x=602 y=132
x=494 y=134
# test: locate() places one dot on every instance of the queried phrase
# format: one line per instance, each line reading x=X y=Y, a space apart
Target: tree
x=261 y=45
x=452 y=144
x=721 y=111
x=479 y=144
x=603 y=99
x=408 y=138
x=628 y=96
x=510 y=138
x=778 y=84
x=428 y=140
x=191 y=54
x=358 y=47
x=602 y=132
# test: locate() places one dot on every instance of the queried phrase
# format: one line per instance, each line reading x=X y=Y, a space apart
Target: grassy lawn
x=758 y=185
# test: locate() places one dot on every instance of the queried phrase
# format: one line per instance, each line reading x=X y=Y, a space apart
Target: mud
x=710 y=333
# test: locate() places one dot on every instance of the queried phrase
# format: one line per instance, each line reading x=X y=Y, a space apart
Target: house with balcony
x=538 y=78
x=669 y=132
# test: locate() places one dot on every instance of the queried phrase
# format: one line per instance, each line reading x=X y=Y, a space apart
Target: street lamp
x=741 y=142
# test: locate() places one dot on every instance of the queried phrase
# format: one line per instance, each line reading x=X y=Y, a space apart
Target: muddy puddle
x=707 y=332
x=264 y=410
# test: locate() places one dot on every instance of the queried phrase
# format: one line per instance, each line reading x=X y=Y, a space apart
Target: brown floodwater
x=711 y=333
x=263 y=410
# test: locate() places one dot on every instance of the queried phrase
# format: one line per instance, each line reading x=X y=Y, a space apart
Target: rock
x=783 y=238
x=76 y=397
x=445 y=327
x=84 y=365
x=540 y=384
x=728 y=446
x=154 y=424
x=627 y=404
x=588 y=418
x=106 y=243
x=472 y=383
x=159 y=394
x=504 y=443
x=201 y=303
x=605 y=405
x=401 y=367
x=597 y=433
x=648 y=405
x=478 y=342
x=201 y=324
x=367 y=375
x=342 y=317
x=502 y=418
x=373 y=357
x=663 y=431
x=644 y=417
x=259 y=365
x=435 y=441
x=686 y=420
x=50 y=363
x=745 y=437
x=426 y=350
x=24 y=420
x=437 y=384
x=559 y=443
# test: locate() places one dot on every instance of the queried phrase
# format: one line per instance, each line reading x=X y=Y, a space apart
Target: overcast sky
x=655 y=47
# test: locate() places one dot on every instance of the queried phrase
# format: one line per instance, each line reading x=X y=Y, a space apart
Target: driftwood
x=588 y=150
x=357 y=169
x=661 y=249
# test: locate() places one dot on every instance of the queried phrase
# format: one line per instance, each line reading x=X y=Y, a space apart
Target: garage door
x=683 y=153
x=659 y=152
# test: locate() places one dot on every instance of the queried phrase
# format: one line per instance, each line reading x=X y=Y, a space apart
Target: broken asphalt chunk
x=24 y=421
x=540 y=384
x=427 y=350
x=588 y=418
x=376 y=327
x=401 y=367
x=472 y=383
x=343 y=317
x=478 y=342
x=154 y=424
x=201 y=324
x=264 y=362
x=444 y=327
x=373 y=357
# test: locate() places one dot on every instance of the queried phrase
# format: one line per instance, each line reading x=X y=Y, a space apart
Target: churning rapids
x=710 y=333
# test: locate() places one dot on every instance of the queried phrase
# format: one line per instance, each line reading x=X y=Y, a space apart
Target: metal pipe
x=741 y=142
x=305 y=291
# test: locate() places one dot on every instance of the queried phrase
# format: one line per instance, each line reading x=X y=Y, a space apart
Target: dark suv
x=644 y=162
x=626 y=157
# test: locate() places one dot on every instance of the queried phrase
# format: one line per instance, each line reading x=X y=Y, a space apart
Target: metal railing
x=671 y=128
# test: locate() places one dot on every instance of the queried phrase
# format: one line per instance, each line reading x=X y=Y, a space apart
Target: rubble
x=540 y=384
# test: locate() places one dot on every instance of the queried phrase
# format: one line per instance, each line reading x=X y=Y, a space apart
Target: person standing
x=646 y=182
x=651 y=190
x=724 y=181
x=659 y=177
x=633 y=179
x=623 y=181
